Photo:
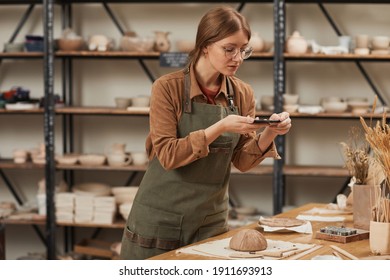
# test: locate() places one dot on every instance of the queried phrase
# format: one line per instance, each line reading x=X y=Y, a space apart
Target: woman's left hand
x=280 y=128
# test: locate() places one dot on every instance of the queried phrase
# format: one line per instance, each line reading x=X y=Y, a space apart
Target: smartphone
x=266 y=121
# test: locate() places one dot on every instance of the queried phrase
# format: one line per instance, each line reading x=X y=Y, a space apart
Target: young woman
x=201 y=121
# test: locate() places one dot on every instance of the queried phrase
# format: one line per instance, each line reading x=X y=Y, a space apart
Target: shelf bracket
x=113 y=17
x=10 y=187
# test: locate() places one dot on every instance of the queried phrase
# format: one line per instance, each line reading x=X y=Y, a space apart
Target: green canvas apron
x=178 y=207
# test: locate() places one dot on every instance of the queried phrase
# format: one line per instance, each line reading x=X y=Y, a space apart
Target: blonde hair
x=215 y=25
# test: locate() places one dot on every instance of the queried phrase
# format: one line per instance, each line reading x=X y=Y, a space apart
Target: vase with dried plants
x=360 y=165
x=378 y=138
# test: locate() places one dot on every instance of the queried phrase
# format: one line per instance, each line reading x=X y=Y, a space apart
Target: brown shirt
x=166 y=108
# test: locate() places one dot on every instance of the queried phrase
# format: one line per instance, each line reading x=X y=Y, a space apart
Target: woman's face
x=225 y=55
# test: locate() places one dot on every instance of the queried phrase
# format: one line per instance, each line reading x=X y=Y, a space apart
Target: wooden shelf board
x=140 y=168
x=29 y=111
x=309 y=170
x=6 y=163
x=103 y=111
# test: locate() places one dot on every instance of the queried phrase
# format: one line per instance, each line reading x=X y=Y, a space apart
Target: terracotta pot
x=379 y=238
x=363 y=201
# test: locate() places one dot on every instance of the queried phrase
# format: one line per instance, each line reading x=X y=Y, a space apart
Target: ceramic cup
x=119 y=159
x=362 y=41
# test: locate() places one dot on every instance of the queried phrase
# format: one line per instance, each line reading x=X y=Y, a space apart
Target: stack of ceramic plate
x=84 y=206
x=104 y=209
x=64 y=207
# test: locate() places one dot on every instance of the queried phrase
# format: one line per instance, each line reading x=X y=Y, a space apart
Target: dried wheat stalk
x=378 y=138
x=356 y=156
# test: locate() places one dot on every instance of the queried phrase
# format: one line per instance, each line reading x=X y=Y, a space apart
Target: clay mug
x=162 y=43
x=362 y=41
x=118 y=148
x=119 y=159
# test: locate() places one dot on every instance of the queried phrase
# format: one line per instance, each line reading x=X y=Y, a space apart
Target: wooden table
x=359 y=249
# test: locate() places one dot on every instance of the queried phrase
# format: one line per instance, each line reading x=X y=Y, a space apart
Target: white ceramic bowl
x=92 y=189
x=92 y=159
x=139 y=158
x=290 y=99
x=335 y=106
x=380 y=42
x=290 y=108
x=137 y=44
x=362 y=51
x=359 y=107
x=122 y=102
x=67 y=159
x=140 y=101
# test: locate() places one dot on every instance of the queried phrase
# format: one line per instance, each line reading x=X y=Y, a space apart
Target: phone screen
x=266 y=121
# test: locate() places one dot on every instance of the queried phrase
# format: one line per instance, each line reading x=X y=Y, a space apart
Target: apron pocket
x=153 y=228
x=211 y=169
x=213 y=225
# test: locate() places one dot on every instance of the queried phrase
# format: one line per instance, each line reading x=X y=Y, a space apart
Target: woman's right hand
x=240 y=124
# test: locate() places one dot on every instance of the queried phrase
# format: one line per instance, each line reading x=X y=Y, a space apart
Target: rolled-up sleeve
x=247 y=153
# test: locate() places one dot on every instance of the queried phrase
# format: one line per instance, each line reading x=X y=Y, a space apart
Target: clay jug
x=162 y=43
x=296 y=44
x=117 y=148
x=256 y=42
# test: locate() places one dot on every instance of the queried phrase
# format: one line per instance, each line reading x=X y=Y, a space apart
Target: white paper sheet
x=220 y=248
x=320 y=218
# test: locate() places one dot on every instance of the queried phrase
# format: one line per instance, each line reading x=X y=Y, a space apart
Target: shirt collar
x=195 y=90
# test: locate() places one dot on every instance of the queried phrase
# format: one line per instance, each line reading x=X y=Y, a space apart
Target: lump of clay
x=248 y=240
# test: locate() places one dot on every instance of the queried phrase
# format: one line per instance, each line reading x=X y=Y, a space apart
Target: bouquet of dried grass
x=379 y=139
x=356 y=156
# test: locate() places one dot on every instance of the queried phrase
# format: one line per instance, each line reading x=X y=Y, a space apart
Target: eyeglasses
x=231 y=53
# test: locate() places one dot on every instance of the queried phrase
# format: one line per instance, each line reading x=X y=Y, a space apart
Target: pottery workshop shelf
x=9 y=164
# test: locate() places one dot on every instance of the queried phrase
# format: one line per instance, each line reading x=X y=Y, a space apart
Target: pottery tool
x=261 y=254
x=337 y=255
x=341 y=234
x=303 y=253
x=345 y=253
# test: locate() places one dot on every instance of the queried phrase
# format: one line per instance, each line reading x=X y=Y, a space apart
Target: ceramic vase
x=296 y=44
x=162 y=43
x=379 y=238
x=363 y=201
x=256 y=42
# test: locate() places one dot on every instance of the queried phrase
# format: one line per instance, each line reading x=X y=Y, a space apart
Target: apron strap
x=187 y=85
x=230 y=93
